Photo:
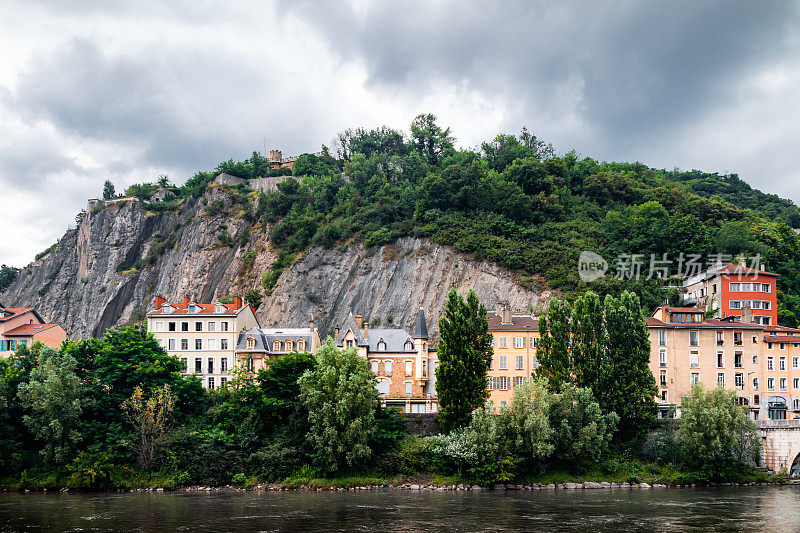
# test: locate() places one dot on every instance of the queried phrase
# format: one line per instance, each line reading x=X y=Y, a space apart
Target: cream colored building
x=258 y=345
x=202 y=336
x=514 y=341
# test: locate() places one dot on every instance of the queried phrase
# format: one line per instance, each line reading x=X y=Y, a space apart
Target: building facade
x=760 y=363
x=202 y=336
x=258 y=345
x=727 y=290
x=404 y=364
x=22 y=326
x=514 y=341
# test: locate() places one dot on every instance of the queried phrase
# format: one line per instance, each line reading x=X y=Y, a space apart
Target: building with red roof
x=22 y=326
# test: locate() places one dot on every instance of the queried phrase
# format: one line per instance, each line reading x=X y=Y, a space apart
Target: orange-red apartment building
x=22 y=326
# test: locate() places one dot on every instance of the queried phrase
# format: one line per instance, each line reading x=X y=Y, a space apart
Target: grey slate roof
x=350 y=325
x=421 y=329
x=265 y=337
x=395 y=340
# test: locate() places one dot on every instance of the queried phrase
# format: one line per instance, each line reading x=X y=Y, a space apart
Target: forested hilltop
x=518 y=203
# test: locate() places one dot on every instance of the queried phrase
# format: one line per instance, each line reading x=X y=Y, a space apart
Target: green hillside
x=517 y=203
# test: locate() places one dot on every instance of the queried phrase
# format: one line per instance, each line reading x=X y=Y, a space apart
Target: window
x=770 y=363
x=222 y=382
x=796 y=383
x=223 y=326
x=383 y=386
x=250 y=364
x=518 y=381
x=223 y=364
x=184 y=344
x=381 y=346
x=198 y=326
x=408 y=388
x=210 y=365
x=755 y=359
x=737 y=338
x=534 y=342
x=662 y=378
x=662 y=358
x=736 y=304
x=782 y=384
x=198 y=364
x=184 y=364
x=796 y=404
x=720 y=379
x=503 y=362
x=159 y=326
x=348 y=343
x=301 y=346
x=212 y=326
x=276 y=345
x=782 y=346
x=720 y=360
x=198 y=344
x=737 y=360
x=694 y=359
x=289 y=346
x=694 y=377
x=171 y=326
x=738 y=380
x=501 y=383
x=223 y=344
x=795 y=361
x=719 y=338
x=664 y=396
x=662 y=337
x=503 y=342
x=409 y=346
x=520 y=362
x=519 y=342
x=211 y=383
x=734 y=287
x=755 y=383
x=755 y=399
x=211 y=344
x=766 y=287
x=387 y=368
x=184 y=326
x=171 y=345
x=375 y=365
x=408 y=368
x=693 y=338
x=770 y=384
x=782 y=363
x=769 y=346
x=489 y=383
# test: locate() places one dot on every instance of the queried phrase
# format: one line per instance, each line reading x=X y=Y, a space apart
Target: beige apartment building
x=514 y=340
x=760 y=363
x=404 y=364
x=203 y=336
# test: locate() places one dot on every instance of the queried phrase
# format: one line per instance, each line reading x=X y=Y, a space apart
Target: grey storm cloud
x=98 y=89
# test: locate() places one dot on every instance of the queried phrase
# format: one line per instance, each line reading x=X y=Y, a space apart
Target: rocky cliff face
x=107 y=271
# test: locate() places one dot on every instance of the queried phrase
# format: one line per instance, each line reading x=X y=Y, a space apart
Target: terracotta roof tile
x=205 y=309
x=518 y=323
x=27 y=330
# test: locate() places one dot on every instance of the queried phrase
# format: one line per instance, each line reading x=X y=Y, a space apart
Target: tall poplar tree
x=588 y=341
x=554 y=345
x=465 y=352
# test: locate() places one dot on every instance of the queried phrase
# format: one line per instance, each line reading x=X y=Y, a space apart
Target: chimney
x=159 y=301
x=237 y=303
x=311 y=325
x=336 y=332
x=365 y=330
x=359 y=321
x=186 y=299
x=747 y=313
x=505 y=313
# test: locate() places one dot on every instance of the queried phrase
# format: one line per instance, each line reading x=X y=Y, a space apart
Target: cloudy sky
x=96 y=90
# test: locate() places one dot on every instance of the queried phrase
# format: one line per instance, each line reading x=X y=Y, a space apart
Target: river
x=721 y=509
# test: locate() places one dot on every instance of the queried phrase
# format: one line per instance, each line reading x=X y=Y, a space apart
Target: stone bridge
x=781 y=450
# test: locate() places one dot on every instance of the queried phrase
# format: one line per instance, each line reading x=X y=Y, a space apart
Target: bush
x=212 y=462
x=275 y=462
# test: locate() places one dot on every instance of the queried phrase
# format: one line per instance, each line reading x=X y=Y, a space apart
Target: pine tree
x=108 y=190
x=465 y=352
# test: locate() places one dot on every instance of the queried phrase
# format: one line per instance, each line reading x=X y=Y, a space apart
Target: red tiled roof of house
x=205 y=309
x=744 y=271
x=15 y=311
x=781 y=338
x=518 y=323
x=781 y=329
x=707 y=323
x=28 y=330
x=684 y=309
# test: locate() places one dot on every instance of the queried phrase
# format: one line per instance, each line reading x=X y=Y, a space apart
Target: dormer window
x=251 y=343
x=288 y=346
x=301 y=346
x=276 y=346
x=193 y=309
x=166 y=308
x=219 y=308
x=409 y=347
x=381 y=345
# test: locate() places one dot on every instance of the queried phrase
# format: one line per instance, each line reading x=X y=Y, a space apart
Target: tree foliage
x=465 y=352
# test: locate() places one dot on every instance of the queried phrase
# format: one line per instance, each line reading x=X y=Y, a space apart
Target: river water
x=720 y=509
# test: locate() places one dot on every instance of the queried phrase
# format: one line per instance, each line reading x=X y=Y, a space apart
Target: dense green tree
x=429 y=139
x=465 y=352
x=553 y=352
x=52 y=402
x=7 y=276
x=340 y=396
x=108 y=190
x=589 y=364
